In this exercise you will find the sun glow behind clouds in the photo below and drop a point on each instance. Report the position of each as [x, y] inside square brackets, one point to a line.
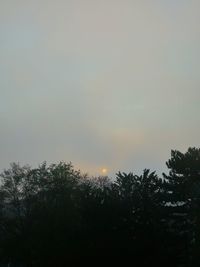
[55, 73]
[104, 171]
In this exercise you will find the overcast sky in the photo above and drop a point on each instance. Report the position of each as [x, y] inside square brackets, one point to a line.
[103, 83]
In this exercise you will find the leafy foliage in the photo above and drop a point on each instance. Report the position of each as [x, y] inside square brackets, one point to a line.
[55, 216]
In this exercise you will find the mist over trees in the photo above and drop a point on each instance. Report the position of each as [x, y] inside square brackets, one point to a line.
[56, 216]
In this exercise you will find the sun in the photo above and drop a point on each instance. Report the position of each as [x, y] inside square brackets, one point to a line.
[104, 171]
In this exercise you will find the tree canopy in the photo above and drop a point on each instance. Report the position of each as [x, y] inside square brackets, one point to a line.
[56, 216]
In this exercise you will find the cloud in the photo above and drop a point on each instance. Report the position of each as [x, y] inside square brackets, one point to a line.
[98, 82]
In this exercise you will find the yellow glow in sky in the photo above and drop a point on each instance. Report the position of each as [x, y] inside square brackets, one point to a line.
[104, 171]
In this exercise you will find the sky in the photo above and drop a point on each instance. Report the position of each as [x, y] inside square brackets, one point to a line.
[109, 85]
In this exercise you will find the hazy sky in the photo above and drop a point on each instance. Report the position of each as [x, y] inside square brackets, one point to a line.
[102, 83]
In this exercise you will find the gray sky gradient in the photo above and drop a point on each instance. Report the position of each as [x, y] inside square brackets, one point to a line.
[110, 83]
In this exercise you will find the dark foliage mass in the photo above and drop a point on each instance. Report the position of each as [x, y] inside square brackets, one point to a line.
[55, 216]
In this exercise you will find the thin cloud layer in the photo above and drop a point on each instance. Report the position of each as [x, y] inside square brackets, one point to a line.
[110, 84]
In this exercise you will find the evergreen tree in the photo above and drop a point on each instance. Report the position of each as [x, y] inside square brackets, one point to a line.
[182, 186]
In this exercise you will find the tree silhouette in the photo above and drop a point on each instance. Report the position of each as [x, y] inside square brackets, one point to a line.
[183, 187]
[55, 216]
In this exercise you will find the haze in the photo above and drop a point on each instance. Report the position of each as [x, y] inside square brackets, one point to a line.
[105, 84]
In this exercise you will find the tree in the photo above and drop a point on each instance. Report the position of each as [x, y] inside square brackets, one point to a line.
[53, 215]
[140, 207]
[183, 197]
[39, 213]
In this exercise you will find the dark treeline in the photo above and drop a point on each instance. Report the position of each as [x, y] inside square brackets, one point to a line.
[55, 216]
